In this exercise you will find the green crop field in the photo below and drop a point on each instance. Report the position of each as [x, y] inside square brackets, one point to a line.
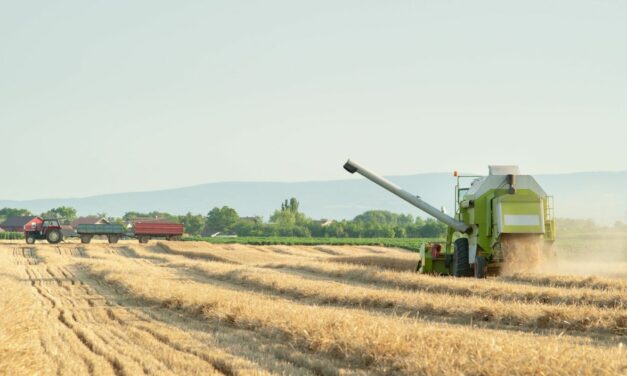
[9, 235]
[412, 244]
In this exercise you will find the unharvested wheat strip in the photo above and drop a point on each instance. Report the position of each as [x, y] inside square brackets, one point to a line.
[458, 308]
[491, 288]
[487, 289]
[383, 262]
[382, 343]
[598, 283]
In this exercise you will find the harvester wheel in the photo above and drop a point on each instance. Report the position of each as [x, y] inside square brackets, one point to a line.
[54, 236]
[30, 239]
[481, 267]
[418, 266]
[461, 268]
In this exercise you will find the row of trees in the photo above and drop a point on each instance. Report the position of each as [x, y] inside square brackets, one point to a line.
[288, 220]
[64, 213]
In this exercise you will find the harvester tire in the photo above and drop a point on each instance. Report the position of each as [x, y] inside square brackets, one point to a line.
[30, 239]
[481, 267]
[54, 236]
[461, 268]
[418, 266]
[448, 260]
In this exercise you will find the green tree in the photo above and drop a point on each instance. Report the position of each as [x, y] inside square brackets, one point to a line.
[193, 223]
[11, 212]
[64, 213]
[221, 219]
[289, 215]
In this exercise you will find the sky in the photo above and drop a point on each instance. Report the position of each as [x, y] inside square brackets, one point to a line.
[117, 96]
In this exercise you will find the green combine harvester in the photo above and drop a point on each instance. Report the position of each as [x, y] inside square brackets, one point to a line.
[501, 219]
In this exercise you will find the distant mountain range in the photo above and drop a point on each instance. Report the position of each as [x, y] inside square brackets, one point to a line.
[601, 196]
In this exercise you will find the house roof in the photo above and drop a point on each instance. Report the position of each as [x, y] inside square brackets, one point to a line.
[18, 221]
[91, 220]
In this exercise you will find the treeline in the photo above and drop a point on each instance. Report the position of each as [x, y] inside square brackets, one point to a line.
[569, 225]
[286, 221]
[289, 221]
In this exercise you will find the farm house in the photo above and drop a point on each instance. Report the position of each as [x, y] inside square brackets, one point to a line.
[20, 223]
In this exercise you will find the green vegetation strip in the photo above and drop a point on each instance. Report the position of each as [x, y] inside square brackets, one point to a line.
[9, 235]
[412, 244]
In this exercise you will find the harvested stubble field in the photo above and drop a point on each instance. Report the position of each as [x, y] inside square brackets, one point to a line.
[177, 308]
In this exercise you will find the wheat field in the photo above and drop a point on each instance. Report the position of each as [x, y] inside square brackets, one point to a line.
[192, 308]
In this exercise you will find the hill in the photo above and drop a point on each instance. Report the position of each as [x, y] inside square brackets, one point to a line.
[597, 195]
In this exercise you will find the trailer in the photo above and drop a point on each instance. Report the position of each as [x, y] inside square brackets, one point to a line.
[143, 231]
[113, 232]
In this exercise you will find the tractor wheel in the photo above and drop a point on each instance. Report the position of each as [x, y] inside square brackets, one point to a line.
[481, 267]
[30, 239]
[461, 268]
[113, 239]
[85, 239]
[54, 236]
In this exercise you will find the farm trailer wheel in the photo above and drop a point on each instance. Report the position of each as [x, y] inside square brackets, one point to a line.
[144, 239]
[54, 236]
[113, 239]
[86, 239]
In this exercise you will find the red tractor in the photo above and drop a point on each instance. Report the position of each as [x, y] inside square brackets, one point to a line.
[49, 229]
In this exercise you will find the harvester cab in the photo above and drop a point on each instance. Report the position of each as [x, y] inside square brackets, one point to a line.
[504, 218]
[49, 229]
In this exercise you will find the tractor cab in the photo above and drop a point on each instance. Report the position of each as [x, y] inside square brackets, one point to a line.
[50, 230]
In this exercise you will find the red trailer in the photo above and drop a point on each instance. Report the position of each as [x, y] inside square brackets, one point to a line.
[144, 231]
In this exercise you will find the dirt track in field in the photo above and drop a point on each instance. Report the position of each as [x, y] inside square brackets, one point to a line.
[174, 308]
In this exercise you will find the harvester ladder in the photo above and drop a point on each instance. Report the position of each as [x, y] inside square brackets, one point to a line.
[548, 215]
[549, 222]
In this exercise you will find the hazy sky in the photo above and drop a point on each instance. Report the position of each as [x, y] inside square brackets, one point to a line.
[114, 96]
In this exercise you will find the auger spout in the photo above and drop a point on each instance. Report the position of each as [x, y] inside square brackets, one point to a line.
[353, 167]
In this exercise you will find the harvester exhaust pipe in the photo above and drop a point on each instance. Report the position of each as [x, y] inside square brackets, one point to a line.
[353, 167]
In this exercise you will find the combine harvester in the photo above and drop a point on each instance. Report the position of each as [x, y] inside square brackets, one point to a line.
[501, 219]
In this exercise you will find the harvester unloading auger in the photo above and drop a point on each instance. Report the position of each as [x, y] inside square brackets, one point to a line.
[501, 219]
